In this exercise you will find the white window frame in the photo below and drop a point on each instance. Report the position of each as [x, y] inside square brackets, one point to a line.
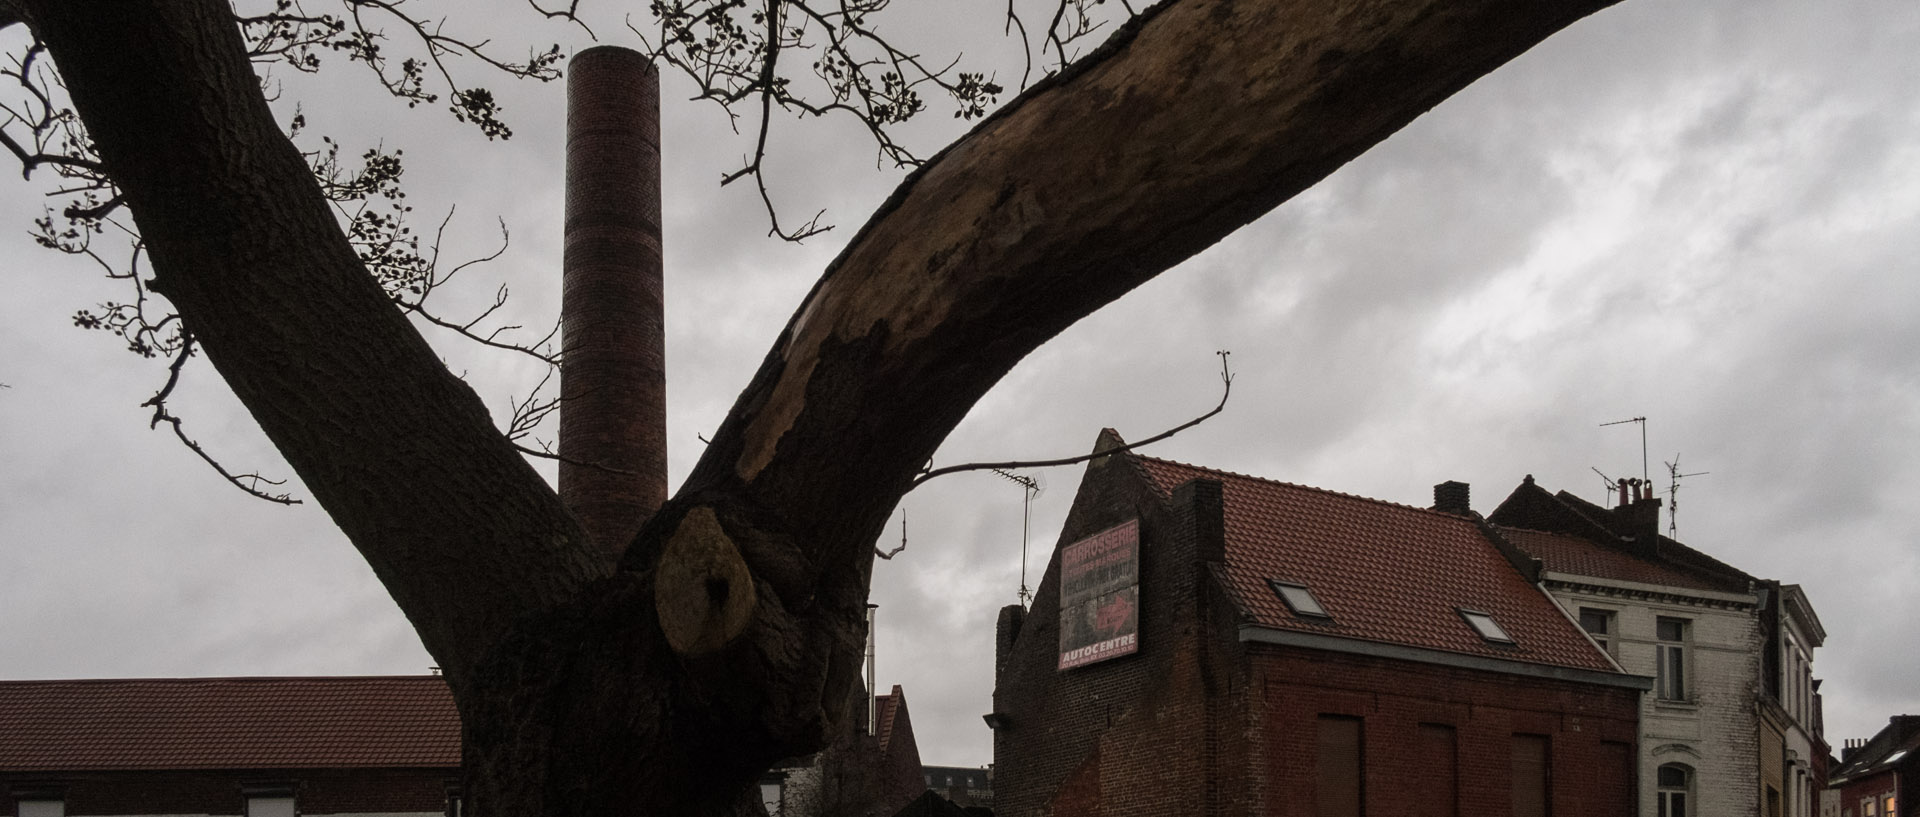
[1670, 660]
[265, 800]
[1669, 795]
[1609, 621]
[46, 805]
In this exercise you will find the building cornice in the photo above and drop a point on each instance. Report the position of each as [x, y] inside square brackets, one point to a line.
[1650, 592]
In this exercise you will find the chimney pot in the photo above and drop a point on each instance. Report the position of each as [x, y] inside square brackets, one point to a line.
[1453, 497]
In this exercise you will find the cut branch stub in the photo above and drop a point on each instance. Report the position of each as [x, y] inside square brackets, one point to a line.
[702, 590]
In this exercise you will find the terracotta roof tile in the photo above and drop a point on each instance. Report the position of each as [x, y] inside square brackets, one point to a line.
[1565, 553]
[887, 706]
[227, 723]
[1385, 572]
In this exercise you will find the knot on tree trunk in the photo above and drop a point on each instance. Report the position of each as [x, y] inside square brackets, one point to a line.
[703, 593]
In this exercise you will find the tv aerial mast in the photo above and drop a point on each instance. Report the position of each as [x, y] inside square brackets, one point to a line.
[1031, 487]
[1645, 475]
[1673, 495]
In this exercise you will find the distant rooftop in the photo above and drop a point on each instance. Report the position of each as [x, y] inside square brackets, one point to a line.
[228, 723]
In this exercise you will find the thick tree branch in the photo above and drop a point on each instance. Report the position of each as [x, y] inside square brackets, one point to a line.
[403, 456]
[1198, 117]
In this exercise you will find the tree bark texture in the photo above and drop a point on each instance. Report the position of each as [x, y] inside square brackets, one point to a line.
[731, 630]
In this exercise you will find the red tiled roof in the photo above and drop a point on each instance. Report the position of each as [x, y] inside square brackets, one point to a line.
[1564, 553]
[228, 723]
[1385, 572]
[887, 706]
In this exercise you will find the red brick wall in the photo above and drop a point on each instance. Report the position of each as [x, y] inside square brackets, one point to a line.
[1874, 786]
[1145, 734]
[1485, 709]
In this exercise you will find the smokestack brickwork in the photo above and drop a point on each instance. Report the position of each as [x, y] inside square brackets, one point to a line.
[613, 472]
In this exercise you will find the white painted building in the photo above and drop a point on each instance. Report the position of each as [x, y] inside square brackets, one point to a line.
[1731, 727]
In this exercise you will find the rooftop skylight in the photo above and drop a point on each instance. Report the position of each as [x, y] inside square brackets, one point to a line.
[1485, 626]
[1299, 599]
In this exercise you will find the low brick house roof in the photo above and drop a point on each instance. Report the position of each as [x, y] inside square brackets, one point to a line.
[228, 723]
[1572, 536]
[889, 709]
[1895, 746]
[1387, 573]
[1573, 555]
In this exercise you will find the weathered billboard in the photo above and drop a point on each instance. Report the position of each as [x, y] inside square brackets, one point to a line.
[1100, 596]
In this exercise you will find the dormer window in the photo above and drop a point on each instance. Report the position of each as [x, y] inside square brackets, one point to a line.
[1484, 624]
[1299, 599]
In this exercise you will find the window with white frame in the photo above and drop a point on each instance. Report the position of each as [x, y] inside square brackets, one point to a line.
[40, 805]
[1676, 789]
[1670, 658]
[1598, 624]
[270, 801]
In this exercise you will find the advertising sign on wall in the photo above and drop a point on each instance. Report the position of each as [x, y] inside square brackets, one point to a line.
[1100, 596]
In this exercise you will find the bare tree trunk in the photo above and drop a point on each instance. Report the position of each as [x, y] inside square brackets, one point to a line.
[732, 629]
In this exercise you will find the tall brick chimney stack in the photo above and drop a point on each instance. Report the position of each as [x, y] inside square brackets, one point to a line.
[613, 416]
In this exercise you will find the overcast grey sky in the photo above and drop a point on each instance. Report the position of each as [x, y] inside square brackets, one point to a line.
[1701, 212]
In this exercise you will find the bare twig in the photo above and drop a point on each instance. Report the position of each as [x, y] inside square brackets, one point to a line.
[734, 54]
[1226, 380]
[249, 483]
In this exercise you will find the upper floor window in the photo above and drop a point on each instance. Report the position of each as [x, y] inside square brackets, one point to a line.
[1676, 789]
[1599, 624]
[1670, 659]
[1339, 774]
[271, 805]
[32, 806]
[1532, 776]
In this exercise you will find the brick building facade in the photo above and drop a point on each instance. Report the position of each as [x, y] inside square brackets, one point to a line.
[1294, 651]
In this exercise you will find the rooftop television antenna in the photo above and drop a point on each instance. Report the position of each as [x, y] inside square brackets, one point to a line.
[1673, 495]
[1645, 479]
[1031, 487]
[1606, 485]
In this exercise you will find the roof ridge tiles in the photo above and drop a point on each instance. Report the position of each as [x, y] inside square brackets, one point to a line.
[1313, 488]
